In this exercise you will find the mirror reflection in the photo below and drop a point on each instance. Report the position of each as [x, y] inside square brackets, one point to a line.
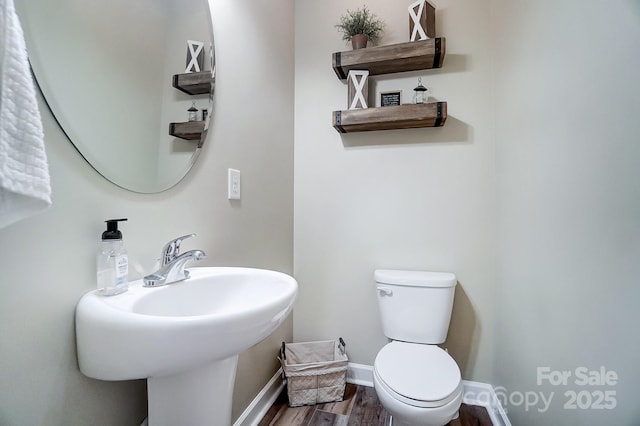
[106, 70]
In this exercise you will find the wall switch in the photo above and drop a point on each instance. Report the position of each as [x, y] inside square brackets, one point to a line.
[233, 192]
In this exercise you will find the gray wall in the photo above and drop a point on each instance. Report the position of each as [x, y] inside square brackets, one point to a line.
[568, 173]
[529, 194]
[404, 199]
[47, 261]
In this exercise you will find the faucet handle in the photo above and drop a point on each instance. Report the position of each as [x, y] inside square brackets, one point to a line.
[171, 250]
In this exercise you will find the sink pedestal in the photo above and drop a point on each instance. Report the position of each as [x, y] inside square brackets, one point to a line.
[197, 397]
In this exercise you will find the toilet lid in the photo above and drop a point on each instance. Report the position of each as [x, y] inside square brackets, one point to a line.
[418, 373]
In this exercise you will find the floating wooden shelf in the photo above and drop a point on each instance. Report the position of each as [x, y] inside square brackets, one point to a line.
[189, 130]
[411, 116]
[193, 83]
[411, 56]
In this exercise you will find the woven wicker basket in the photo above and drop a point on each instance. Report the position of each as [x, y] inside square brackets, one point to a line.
[316, 372]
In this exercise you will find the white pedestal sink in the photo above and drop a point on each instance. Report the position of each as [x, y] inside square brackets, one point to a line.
[184, 338]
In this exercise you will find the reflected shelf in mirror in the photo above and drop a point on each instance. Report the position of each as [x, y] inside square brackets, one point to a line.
[194, 83]
[109, 85]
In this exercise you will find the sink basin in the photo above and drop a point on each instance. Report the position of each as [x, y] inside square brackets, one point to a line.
[180, 333]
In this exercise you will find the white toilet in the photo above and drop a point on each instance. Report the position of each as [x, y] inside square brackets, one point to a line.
[417, 382]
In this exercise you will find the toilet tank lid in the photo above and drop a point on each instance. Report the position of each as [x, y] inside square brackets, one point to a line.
[415, 278]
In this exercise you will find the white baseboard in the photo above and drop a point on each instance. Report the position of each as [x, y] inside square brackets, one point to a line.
[360, 374]
[262, 402]
[483, 394]
[475, 393]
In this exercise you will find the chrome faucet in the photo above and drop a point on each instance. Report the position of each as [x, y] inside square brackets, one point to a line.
[171, 250]
[172, 264]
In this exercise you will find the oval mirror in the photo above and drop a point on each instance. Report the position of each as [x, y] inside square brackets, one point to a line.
[114, 76]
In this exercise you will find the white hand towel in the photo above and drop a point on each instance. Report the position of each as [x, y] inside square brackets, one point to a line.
[24, 174]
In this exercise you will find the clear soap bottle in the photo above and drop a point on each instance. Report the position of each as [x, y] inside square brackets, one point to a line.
[112, 261]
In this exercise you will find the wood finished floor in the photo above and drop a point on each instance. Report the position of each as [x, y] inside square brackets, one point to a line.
[359, 408]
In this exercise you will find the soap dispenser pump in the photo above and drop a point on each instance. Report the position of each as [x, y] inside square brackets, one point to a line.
[112, 261]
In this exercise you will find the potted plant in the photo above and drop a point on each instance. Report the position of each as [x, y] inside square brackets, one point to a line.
[360, 26]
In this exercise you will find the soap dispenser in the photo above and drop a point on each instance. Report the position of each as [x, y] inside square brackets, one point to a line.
[112, 261]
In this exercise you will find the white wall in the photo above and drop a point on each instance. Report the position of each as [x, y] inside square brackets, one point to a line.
[567, 100]
[47, 261]
[406, 199]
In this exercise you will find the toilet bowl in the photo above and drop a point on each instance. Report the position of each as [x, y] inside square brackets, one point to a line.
[416, 381]
[417, 384]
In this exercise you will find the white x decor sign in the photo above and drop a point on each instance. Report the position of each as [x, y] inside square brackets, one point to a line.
[359, 100]
[194, 56]
[415, 17]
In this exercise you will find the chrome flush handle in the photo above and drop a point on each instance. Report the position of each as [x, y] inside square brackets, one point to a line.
[385, 290]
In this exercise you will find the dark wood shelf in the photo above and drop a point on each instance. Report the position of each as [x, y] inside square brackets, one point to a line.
[393, 58]
[189, 130]
[193, 83]
[410, 116]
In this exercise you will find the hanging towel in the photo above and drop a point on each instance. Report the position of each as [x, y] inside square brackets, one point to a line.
[24, 174]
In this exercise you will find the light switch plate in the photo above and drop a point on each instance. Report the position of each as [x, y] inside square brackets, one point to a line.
[233, 191]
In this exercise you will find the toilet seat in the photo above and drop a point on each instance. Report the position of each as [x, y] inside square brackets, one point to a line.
[417, 374]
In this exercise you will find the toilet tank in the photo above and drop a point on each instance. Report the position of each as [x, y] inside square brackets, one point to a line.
[415, 306]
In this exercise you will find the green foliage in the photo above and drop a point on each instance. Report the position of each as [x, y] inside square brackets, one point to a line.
[360, 21]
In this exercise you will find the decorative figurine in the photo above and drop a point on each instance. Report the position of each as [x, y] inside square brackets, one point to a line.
[422, 20]
[195, 56]
[358, 89]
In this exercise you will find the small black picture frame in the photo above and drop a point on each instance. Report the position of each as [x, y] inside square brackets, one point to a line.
[391, 98]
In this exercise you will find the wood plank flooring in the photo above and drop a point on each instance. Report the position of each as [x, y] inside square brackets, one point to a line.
[360, 407]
